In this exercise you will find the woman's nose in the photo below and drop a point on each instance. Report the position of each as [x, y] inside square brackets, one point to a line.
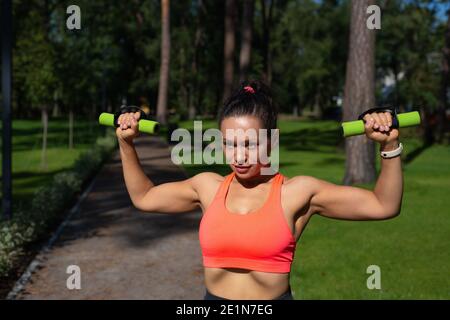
[240, 156]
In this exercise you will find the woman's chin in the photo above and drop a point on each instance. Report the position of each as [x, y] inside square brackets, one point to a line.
[247, 173]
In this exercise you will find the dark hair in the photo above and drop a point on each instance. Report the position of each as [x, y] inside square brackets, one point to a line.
[251, 98]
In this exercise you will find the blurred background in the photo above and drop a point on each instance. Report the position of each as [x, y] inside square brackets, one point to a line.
[178, 61]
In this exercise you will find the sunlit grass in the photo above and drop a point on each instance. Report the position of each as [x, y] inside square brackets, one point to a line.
[28, 173]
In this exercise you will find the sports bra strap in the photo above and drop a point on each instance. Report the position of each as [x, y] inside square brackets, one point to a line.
[274, 190]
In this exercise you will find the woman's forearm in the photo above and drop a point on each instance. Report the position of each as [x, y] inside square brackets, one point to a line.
[136, 181]
[389, 186]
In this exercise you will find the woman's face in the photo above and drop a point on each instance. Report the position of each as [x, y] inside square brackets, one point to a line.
[243, 145]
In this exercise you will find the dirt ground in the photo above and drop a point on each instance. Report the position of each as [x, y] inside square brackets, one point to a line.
[124, 253]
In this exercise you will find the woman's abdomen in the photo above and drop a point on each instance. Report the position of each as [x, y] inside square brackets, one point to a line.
[245, 284]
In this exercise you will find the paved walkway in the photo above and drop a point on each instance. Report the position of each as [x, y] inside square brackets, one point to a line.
[124, 253]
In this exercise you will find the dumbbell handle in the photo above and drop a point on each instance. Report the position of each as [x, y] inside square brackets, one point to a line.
[144, 125]
[407, 119]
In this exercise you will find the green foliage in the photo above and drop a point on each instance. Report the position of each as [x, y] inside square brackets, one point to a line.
[116, 53]
[13, 236]
[310, 45]
[34, 56]
[48, 202]
[409, 47]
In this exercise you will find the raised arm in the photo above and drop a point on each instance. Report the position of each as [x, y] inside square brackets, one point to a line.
[169, 197]
[353, 203]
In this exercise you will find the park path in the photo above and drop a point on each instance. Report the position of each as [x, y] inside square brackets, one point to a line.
[124, 253]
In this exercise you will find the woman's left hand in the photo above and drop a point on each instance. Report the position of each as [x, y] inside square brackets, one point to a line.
[378, 127]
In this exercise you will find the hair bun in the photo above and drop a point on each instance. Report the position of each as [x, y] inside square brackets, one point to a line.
[252, 97]
[258, 87]
[249, 89]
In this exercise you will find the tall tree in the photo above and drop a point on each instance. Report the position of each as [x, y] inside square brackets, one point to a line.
[267, 14]
[442, 124]
[229, 47]
[35, 61]
[165, 60]
[359, 94]
[246, 38]
[198, 43]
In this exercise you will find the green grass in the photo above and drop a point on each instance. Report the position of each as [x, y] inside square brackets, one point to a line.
[332, 256]
[26, 157]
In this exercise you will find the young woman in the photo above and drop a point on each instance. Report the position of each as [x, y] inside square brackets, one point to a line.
[252, 221]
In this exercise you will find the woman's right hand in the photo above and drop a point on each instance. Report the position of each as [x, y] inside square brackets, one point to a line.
[128, 126]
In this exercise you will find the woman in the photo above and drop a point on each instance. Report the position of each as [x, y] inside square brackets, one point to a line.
[252, 221]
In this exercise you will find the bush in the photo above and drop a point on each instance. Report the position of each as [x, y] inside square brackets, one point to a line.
[49, 202]
[13, 236]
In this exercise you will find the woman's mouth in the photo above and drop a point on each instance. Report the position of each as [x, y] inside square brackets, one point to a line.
[241, 169]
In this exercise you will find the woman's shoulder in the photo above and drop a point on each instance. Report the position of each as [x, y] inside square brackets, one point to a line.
[206, 185]
[298, 179]
[207, 180]
[297, 192]
[299, 183]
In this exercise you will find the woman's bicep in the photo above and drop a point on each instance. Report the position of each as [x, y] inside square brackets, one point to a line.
[170, 197]
[345, 202]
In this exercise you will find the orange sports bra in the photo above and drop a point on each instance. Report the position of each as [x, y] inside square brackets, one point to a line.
[260, 240]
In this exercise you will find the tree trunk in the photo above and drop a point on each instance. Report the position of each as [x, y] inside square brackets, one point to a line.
[196, 94]
[295, 111]
[55, 110]
[194, 69]
[359, 95]
[192, 110]
[428, 125]
[71, 129]
[44, 117]
[91, 118]
[267, 25]
[55, 113]
[185, 92]
[165, 59]
[246, 41]
[229, 45]
[318, 112]
[442, 125]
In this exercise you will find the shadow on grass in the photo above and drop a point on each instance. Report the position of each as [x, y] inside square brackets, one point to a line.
[416, 152]
[22, 196]
[311, 139]
[28, 138]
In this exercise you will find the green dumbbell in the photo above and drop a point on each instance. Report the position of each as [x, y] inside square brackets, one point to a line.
[401, 120]
[144, 125]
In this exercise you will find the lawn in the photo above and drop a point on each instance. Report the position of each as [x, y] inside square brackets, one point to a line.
[332, 256]
[26, 157]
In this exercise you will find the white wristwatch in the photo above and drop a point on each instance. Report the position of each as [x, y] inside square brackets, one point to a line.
[392, 153]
